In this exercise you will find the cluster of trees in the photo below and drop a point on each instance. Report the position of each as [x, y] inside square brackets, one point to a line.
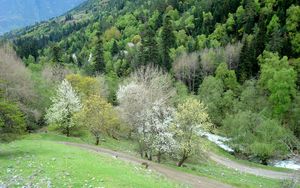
[16, 96]
[80, 102]
[24, 93]
[146, 112]
[259, 115]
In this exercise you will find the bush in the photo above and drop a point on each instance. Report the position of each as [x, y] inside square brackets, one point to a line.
[12, 122]
[257, 136]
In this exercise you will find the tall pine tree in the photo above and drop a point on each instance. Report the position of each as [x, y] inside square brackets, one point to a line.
[99, 64]
[115, 49]
[168, 41]
[148, 53]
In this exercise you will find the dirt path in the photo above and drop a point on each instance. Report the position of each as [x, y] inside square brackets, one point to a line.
[253, 170]
[189, 179]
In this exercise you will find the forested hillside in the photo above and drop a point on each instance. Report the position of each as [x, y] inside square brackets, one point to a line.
[162, 71]
[15, 14]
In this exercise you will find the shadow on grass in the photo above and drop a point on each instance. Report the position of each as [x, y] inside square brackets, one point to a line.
[8, 154]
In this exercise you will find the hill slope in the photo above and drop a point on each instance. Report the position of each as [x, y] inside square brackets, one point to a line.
[16, 14]
[239, 57]
[48, 164]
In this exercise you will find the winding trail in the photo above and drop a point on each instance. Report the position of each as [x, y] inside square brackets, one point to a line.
[181, 177]
[193, 180]
[253, 170]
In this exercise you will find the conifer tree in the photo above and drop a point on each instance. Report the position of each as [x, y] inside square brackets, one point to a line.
[99, 64]
[115, 49]
[168, 41]
[149, 49]
[56, 54]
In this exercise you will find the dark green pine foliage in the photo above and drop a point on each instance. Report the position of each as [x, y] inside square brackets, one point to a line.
[56, 54]
[115, 49]
[274, 34]
[99, 64]
[247, 65]
[251, 15]
[168, 41]
[175, 4]
[148, 53]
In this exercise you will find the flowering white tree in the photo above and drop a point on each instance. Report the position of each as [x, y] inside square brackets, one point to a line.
[143, 104]
[65, 103]
[145, 86]
[155, 132]
[133, 100]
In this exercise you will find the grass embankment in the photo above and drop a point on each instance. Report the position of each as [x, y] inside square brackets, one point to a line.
[37, 162]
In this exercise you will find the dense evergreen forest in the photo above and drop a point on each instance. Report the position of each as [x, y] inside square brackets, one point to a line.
[231, 66]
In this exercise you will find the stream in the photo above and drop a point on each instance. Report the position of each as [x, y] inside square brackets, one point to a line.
[292, 163]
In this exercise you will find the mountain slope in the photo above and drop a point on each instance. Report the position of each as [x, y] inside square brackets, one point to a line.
[16, 13]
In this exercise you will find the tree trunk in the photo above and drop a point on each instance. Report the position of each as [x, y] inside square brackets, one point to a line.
[68, 131]
[264, 161]
[148, 155]
[182, 160]
[130, 134]
[158, 157]
[97, 140]
[114, 137]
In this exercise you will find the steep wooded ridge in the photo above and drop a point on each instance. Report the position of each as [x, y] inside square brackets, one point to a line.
[16, 14]
[170, 69]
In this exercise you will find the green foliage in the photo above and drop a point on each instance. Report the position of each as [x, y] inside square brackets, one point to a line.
[98, 117]
[257, 135]
[211, 93]
[293, 24]
[295, 63]
[112, 33]
[191, 119]
[279, 79]
[159, 32]
[29, 60]
[248, 66]
[56, 53]
[12, 121]
[269, 141]
[112, 83]
[228, 77]
[85, 86]
[99, 64]
[148, 50]
[274, 33]
[168, 41]
[252, 99]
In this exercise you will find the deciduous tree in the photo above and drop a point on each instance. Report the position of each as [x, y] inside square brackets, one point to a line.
[187, 69]
[278, 78]
[64, 105]
[191, 118]
[99, 117]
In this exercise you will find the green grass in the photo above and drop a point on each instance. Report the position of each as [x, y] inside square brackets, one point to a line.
[220, 173]
[36, 161]
[38, 145]
[127, 146]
